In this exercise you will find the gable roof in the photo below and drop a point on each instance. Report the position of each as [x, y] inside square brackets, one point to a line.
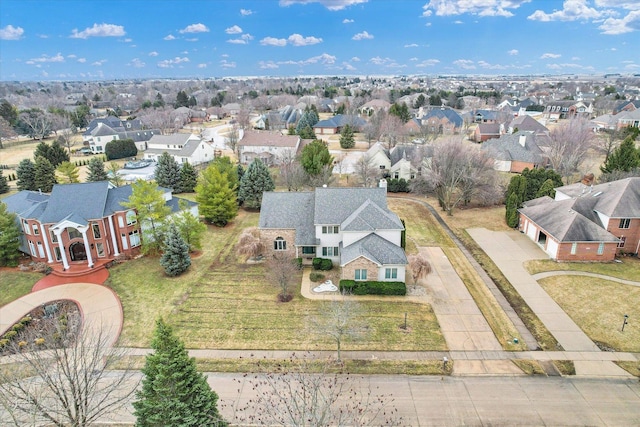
[265, 138]
[334, 205]
[444, 113]
[616, 199]
[371, 217]
[509, 148]
[341, 120]
[290, 210]
[527, 123]
[489, 128]
[374, 248]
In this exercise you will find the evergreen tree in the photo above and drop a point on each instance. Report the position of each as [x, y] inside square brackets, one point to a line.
[217, 200]
[4, 185]
[188, 178]
[226, 167]
[159, 102]
[54, 153]
[45, 175]
[26, 174]
[9, 238]
[548, 188]
[167, 172]
[624, 158]
[175, 258]
[173, 392]
[315, 157]
[190, 228]
[307, 133]
[254, 182]
[511, 215]
[182, 99]
[534, 180]
[67, 173]
[302, 122]
[96, 171]
[151, 209]
[346, 137]
[400, 111]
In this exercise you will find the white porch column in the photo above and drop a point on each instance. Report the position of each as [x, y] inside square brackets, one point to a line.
[87, 249]
[63, 253]
[114, 238]
[45, 237]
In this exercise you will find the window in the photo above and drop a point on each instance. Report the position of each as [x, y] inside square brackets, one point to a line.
[40, 250]
[361, 274]
[624, 223]
[131, 218]
[622, 241]
[574, 248]
[100, 250]
[280, 244]
[600, 248]
[390, 273]
[56, 252]
[36, 230]
[73, 233]
[330, 251]
[134, 238]
[32, 248]
[308, 250]
[26, 227]
[54, 237]
[96, 230]
[125, 244]
[330, 229]
[120, 222]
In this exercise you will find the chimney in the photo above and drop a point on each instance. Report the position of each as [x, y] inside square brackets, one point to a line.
[522, 139]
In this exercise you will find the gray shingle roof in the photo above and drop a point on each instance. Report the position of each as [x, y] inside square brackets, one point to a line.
[371, 217]
[616, 199]
[90, 199]
[447, 113]
[508, 147]
[290, 210]
[374, 248]
[340, 120]
[334, 205]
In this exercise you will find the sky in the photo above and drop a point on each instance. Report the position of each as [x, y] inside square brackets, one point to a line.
[97, 40]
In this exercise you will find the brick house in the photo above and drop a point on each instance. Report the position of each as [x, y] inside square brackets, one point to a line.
[351, 226]
[79, 224]
[485, 131]
[586, 223]
[515, 152]
[443, 121]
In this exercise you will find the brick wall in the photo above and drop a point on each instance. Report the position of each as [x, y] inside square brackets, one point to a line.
[518, 167]
[632, 234]
[268, 236]
[348, 271]
[587, 251]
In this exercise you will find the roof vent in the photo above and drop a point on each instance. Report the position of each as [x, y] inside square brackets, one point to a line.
[597, 194]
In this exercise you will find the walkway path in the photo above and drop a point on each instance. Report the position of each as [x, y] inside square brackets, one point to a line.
[509, 250]
[545, 274]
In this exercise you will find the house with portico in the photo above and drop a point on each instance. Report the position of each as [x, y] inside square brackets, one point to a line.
[82, 225]
[351, 226]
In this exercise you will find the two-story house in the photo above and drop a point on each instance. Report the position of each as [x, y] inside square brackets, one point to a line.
[268, 146]
[586, 223]
[184, 147]
[351, 226]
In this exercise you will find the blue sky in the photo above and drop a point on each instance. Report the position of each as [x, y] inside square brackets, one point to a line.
[95, 39]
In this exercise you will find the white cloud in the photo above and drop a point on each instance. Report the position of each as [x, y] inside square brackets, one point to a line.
[385, 62]
[411, 45]
[565, 66]
[153, 53]
[458, 22]
[513, 52]
[272, 41]
[11, 33]
[46, 58]
[325, 59]
[99, 63]
[268, 65]
[233, 30]
[195, 28]
[348, 67]
[413, 59]
[550, 55]
[244, 39]
[488, 66]
[347, 21]
[332, 5]
[465, 64]
[82, 60]
[169, 63]
[575, 58]
[226, 64]
[362, 36]
[193, 39]
[428, 63]
[572, 10]
[355, 59]
[99, 30]
[246, 12]
[170, 37]
[202, 65]
[72, 56]
[43, 36]
[127, 40]
[428, 24]
[299, 40]
[629, 23]
[473, 7]
[137, 63]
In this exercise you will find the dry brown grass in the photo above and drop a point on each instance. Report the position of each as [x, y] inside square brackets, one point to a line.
[627, 268]
[529, 367]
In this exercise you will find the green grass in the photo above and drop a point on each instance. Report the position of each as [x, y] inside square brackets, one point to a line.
[598, 306]
[628, 269]
[14, 284]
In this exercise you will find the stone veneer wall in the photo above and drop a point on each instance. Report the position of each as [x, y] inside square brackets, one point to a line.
[268, 236]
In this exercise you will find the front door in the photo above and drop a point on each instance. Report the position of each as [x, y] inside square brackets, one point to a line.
[77, 252]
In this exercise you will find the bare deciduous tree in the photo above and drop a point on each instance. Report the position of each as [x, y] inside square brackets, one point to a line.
[244, 116]
[291, 396]
[233, 137]
[249, 243]
[6, 131]
[366, 171]
[569, 144]
[420, 266]
[282, 271]
[70, 378]
[39, 123]
[160, 118]
[340, 320]
[391, 130]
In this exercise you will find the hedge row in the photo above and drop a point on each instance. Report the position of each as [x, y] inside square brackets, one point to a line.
[323, 264]
[372, 287]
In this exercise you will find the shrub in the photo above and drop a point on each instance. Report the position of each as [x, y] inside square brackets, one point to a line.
[298, 262]
[120, 149]
[373, 287]
[39, 341]
[9, 334]
[26, 320]
[323, 264]
[4, 342]
[314, 276]
[22, 344]
[395, 185]
[18, 327]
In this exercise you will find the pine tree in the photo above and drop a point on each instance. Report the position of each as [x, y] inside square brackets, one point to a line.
[67, 173]
[26, 174]
[547, 189]
[302, 122]
[167, 172]
[511, 215]
[188, 178]
[151, 210]
[54, 153]
[173, 392]
[256, 180]
[9, 238]
[96, 171]
[4, 186]
[175, 259]
[346, 137]
[45, 175]
[190, 227]
[624, 158]
[218, 202]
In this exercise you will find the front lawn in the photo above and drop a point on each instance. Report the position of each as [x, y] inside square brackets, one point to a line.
[15, 283]
[598, 307]
[628, 268]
